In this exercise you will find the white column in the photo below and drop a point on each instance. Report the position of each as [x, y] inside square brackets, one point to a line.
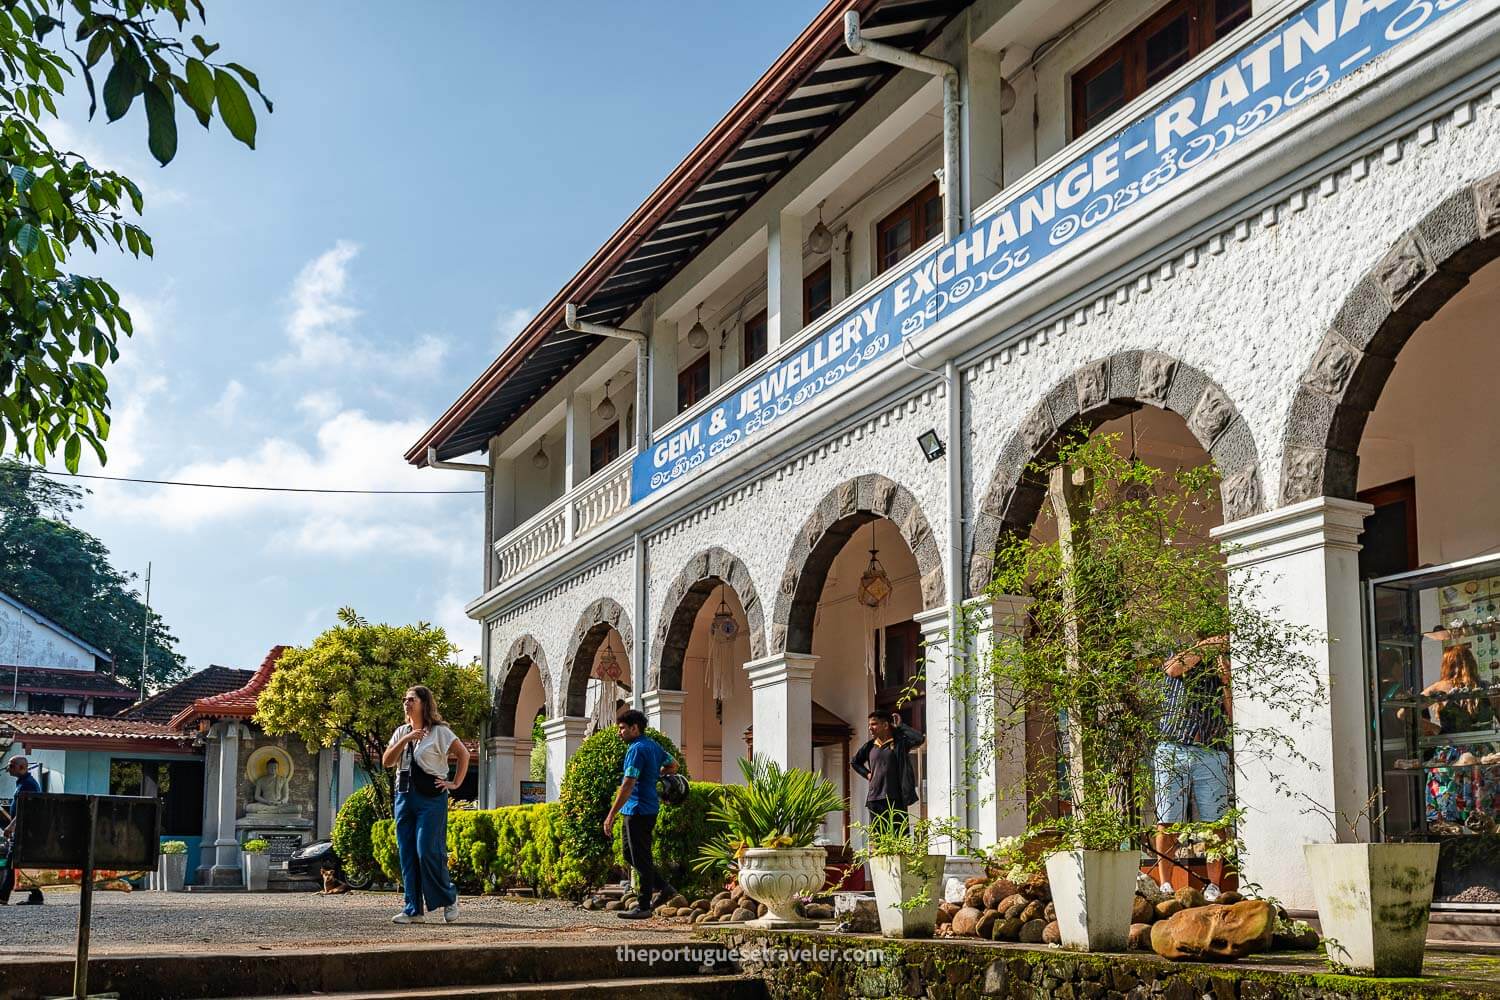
[839, 270]
[663, 383]
[325, 793]
[563, 738]
[1000, 792]
[664, 711]
[981, 123]
[226, 869]
[345, 777]
[576, 423]
[783, 278]
[503, 496]
[1301, 564]
[500, 787]
[206, 850]
[781, 707]
[945, 743]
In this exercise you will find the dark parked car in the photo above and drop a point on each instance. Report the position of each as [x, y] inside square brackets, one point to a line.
[310, 861]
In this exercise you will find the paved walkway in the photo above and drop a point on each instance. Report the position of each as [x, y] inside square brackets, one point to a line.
[143, 922]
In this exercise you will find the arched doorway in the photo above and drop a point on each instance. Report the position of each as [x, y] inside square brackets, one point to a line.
[520, 701]
[596, 675]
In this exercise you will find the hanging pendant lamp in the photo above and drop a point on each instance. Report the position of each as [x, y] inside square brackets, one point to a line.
[820, 240]
[697, 337]
[607, 409]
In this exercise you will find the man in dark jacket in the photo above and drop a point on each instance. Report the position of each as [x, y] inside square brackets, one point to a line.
[885, 762]
[18, 767]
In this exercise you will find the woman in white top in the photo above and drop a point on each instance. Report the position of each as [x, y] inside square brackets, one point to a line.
[419, 751]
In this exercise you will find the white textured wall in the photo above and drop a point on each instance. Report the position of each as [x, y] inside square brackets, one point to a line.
[26, 642]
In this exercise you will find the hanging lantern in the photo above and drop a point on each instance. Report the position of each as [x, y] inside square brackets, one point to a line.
[608, 668]
[820, 240]
[697, 337]
[607, 408]
[875, 585]
[723, 627]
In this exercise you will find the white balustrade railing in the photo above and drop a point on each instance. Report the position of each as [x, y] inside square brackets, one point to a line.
[602, 496]
[541, 535]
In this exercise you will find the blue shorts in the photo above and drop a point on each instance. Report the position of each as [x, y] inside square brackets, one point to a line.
[1181, 769]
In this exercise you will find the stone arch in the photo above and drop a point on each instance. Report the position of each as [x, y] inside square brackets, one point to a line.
[832, 523]
[523, 654]
[693, 586]
[593, 625]
[1423, 269]
[1097, 392]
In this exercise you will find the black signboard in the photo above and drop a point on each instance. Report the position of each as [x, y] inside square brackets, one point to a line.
[283, 846]
[53, 832]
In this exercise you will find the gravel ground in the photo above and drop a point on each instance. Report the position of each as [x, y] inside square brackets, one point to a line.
[172, 922]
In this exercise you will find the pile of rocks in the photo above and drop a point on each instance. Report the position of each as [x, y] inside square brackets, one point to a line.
[1002, 910]
[730, 906]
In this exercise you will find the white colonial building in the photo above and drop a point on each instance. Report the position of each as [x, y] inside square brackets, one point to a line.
[1257, 233]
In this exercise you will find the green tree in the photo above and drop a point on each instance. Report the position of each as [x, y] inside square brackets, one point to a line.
[346, 688]
[65, 573]
[58, 329]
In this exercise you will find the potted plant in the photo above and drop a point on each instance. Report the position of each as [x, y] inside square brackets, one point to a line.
[255, 861]
[1122, 580]
[171, 867]
[770, 822]
[908, 877]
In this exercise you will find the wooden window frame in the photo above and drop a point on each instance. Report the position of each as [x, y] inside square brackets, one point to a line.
[689, 372]
[1203, 31]
[910, 210]
[607, 440]
[1400, 491]
[763, 318]
[823, 272]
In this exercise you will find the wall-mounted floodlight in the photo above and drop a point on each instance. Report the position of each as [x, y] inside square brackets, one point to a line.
[931, 445]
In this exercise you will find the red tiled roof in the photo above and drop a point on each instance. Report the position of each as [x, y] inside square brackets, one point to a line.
[62, 681]
[211, 680]
[41, 729]
[237, 704]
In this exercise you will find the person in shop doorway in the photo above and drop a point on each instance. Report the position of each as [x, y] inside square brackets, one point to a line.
[637, 801]
[1192, 759]
[18, 767]
[885, 763]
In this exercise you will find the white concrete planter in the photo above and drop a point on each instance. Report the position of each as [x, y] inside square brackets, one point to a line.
[1092, 892]
[898, 880]
[1373, 903]
[171, 871]
[257, 868]
[777, 877]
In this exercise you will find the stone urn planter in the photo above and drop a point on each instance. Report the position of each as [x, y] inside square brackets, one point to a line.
[1373, 904]
[257, 869]
[171, 872]
[1092, 892]
[899, 880]
[777, 877]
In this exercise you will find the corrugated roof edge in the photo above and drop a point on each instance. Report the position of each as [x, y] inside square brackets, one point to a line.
[759, 102]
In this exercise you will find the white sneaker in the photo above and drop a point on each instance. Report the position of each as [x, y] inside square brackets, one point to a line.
[406, 918]
[1166, 887]
[1210, 892]
[450, 913]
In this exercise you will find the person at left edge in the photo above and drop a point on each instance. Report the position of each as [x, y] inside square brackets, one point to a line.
[637, 801]
[18, 768]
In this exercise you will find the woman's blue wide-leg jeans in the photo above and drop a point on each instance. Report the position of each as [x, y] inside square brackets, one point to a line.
[422, 838]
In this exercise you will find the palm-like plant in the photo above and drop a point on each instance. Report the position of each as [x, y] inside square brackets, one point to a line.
[774, 808]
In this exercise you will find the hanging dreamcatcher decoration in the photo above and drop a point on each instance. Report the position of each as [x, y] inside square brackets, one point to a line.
[874, 593]
[722, 630]
[610, 676]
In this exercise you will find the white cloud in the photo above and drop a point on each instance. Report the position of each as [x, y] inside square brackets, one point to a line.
[509, 323]
[228, 405]
[320, 404]
[321, 331]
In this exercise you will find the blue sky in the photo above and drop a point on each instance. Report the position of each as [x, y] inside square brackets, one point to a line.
[432, 173]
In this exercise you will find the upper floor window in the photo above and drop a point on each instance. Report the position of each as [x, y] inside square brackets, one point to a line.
[755, 343]
[1146, 56]
[604, 448]
[692, 383]
[817, 292]
[908, 227]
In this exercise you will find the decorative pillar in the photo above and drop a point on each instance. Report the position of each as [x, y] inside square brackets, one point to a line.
[663, 362]
[946, 796]
[563, 739]
[345, 778]
[781, 707]
[210, 834]
[1301, 564]
[325, 792]
[500, 787]
[1000, 779]
[783, 279]
[664, 711]
[226, 866]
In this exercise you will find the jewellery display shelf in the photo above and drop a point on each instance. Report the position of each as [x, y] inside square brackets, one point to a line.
[1424, 792]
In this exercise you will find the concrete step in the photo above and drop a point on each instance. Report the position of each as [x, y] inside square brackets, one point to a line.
[662, 988]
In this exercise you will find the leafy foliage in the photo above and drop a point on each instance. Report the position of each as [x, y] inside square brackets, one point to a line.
[352, 832]
[174, 847]
[346, 688]
[589, 785]
[256, 845]
[773, 808]
[58, 329]
[1129, 581]
[537, 769]
[65, 573]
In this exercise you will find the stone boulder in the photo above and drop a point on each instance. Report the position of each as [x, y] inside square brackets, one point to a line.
[1140, 937]
[1052, 933]
[743, 914]
[1036, 887]
[1167, 908]
[1190, 897]
[997, 891]
[1215, 931]
[986, 925]
[974, 897]
[1032, 931]
[1294, 936]
[1229, 898]
[1006, 929]
[1141, 910]
[818, 911]
[945, 913]
[1034, 911]
[1146, 886]
[1012, 905]
[965, 922]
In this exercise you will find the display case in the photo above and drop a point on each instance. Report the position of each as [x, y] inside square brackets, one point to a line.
[1434, 652]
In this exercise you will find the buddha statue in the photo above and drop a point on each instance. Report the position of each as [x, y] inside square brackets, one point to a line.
[272, 792]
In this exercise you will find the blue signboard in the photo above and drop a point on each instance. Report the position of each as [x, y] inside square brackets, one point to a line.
[1307, 52]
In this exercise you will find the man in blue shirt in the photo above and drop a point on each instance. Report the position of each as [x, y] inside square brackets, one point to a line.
[19, 768]
[637, 801]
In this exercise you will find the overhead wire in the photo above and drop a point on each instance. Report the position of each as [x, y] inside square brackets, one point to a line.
[257, 489]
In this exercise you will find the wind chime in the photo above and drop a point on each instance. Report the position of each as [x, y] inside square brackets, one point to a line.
[874, 593]
[723, 630]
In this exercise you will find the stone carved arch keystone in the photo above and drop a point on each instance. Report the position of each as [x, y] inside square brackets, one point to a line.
[685, 597]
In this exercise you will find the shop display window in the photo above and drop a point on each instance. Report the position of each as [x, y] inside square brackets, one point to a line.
[1435, 651]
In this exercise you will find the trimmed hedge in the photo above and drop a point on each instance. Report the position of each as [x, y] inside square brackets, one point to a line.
[589, 786]
[496, 850]
[352, 830]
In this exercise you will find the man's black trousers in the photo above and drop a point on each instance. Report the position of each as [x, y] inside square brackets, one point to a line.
[638, 833]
